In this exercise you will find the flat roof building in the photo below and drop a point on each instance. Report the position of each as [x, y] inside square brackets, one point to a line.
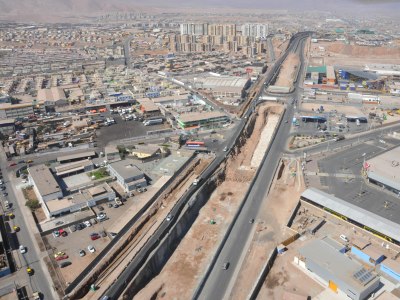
[85, 198]
[202, 119]
[74, 168]
[44, 183]
[340, 273]
[358, 216]
[7, 126]
[384, 170]
[76, 157]
[148, 107]
[128, 175]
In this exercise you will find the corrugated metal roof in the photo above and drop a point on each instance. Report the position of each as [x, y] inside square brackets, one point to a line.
[338, 265]
[384, 180]
[353, 212]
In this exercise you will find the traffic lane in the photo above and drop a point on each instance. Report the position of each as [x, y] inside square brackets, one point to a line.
[218, 280]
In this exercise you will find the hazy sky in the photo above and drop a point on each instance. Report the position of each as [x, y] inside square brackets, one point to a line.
[79, 7]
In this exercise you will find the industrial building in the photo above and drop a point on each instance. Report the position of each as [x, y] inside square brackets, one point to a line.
[340, 273]
[204, 119]
[384, 170]
[44, 183]
[379, 226]
[223, 86]
[75, 202]
[148, 108]
[76, 157]
[7, 126]
[128, 175]
[74, 168]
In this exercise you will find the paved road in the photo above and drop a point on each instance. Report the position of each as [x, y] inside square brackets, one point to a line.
[218, 281]
[40, 280]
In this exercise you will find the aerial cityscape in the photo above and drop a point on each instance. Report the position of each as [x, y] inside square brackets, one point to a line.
[200, 150]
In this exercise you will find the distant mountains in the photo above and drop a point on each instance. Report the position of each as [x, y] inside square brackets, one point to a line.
[50, 10]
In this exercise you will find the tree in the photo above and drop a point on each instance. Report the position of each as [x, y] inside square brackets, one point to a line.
[32, 204]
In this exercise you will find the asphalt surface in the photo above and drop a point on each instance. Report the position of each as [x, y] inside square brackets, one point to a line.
[353, 189]
[217, 282]
[32, 258]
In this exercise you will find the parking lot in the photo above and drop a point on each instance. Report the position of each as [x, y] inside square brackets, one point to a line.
[80, 239]
[123, 129]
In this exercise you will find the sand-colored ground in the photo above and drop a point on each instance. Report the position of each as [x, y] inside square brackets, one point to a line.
[351, 110]
[188, 263]
[338, 53]
[288, 70]
[270, 230]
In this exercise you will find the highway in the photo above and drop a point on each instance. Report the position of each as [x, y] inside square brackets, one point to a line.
[40, 281]
[217, 280]
[120, 284]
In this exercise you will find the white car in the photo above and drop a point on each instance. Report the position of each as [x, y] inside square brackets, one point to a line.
[91, 249]
[22, 249]
[87, 223]
[344, 238]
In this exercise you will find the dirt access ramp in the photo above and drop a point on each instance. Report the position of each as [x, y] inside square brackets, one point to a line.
[288, 71]
[181, 274]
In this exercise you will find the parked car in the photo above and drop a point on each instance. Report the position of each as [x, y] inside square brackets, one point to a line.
[30, 271]
[72, 228]
[344, 238]
[103, 233]
[60, 253]
[22, 249]
[21, 162]
[91, 249]
[5, 194]
[61, 257]
[225, 266]
[93, 221]
[65, 264]
[101, 216]
[101, 208]
[87, 223]
[82, 253]
[94, 237]
[80, 226]
[12, 164]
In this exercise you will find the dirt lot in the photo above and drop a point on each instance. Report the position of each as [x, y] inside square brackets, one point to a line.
[270, 230]
[348, 110]
[338, 53]
[184, 269]
[288, 70]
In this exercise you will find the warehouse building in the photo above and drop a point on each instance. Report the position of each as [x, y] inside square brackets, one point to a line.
[75, 202]
[384, 170]
[44, 183]
[74, 168]
[127, 174]
[204, 119]
[340, 273]
[76, 157]
[223, 86]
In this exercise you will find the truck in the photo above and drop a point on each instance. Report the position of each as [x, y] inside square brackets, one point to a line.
[153, 122]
